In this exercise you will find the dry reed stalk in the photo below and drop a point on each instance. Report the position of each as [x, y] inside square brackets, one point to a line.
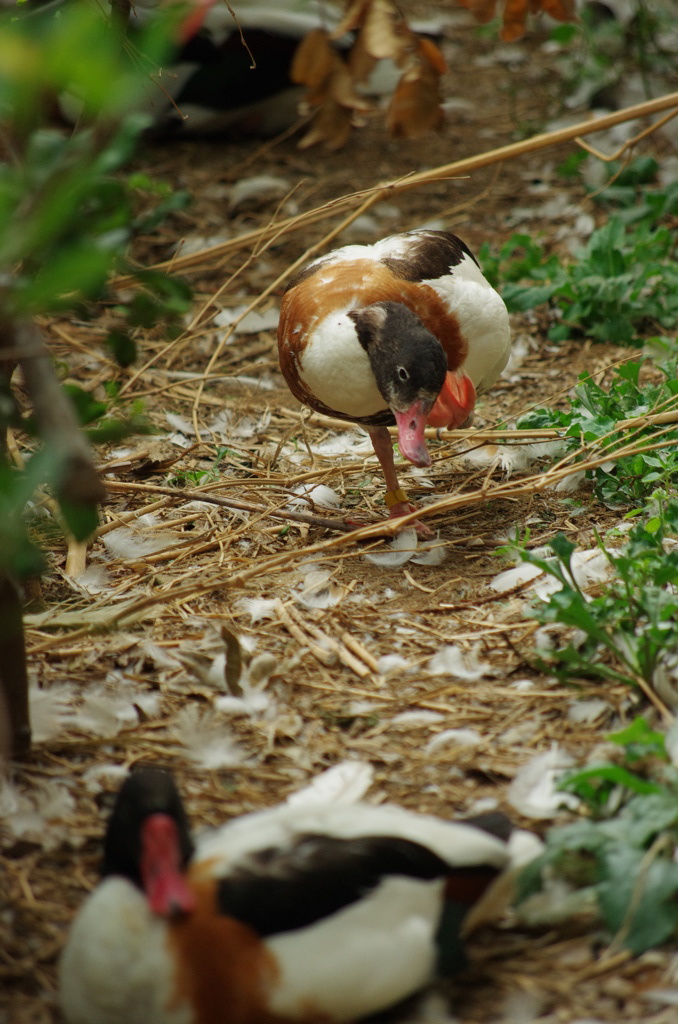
[457, 168]
[219, 581]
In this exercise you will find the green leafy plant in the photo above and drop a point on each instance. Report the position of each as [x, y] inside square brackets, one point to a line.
[622, 283]
[628, 632]
[624, 855]
[591, 423]
[601, 49]
[67, 217]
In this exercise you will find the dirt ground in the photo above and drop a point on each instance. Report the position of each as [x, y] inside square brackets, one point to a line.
[338, 653]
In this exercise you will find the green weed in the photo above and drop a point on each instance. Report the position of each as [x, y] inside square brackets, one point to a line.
[623, 855]
[623, 283]
[594, 415]
[628, 633]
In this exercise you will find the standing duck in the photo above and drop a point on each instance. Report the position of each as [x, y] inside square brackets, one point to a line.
[406, 332]
[313, 914]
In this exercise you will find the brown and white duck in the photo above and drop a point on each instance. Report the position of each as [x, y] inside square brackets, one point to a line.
[406, 331]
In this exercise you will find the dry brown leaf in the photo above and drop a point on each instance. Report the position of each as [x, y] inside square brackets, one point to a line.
[331, 126]
[340, 88]
[360, 62]
[353, 17]
[314, 60]
[385, 32]
[414, 109]
[429, 52]
[382, 33]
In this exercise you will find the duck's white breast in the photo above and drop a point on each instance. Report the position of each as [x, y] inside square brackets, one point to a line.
[335, 368]
[116, 968]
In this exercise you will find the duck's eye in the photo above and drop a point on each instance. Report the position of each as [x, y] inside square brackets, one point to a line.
[402, 373]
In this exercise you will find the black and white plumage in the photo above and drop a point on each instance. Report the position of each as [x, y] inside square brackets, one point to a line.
[322, 913]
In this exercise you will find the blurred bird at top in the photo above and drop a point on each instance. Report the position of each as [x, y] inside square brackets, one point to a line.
[242, 68]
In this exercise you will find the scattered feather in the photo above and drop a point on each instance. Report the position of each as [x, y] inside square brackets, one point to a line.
[211, 669]
[521, 733]
[571, 483]
[588, 567]
[450, 737]
[261, 668]
[523, 685]
[308, 495]
[346, 443]
[511, 458]
[126, 543]
[417, 718]
[392, 663]
[206, 740]
[250, 426]
[671, 742]
[665, 679]
[259, 608]
[400, 550]
[430, 552]
[103, 714]
[95, 579]
[160, 656]
[663, 996]
[521, 1007]
[534, 792]
[344, 783]
[318, 590]
[196, 243]
[39, 816]
[51, 710]
[257, 187]
[183, 426]
[101, 775]
[515, 577]
[249, 323]
[253, 700]
[451, 660]
[587, 711]
[483, 805]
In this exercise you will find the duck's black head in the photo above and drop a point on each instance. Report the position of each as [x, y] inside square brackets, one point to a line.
[408, 362]
[144, 793]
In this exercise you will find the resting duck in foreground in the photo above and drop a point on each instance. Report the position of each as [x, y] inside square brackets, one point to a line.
[406, 331]
[315, 914]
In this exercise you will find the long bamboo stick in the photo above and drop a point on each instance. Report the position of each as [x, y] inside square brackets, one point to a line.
[456, 169]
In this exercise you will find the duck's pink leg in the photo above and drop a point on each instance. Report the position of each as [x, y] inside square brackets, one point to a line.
[396, 499]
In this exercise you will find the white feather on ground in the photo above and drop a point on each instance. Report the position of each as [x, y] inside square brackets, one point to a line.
[206, 739]
[344, 783]
[406, 547]
[452, 661]
[533, 792]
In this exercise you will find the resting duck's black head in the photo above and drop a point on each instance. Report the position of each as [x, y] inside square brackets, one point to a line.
[148, 840]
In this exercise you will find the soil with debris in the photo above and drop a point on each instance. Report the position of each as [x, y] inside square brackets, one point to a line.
[247, 650]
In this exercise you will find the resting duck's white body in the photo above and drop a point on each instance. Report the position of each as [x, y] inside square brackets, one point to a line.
[407, 330]
[299, 914]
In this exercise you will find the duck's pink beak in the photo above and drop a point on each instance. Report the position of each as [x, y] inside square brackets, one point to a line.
[455, 403]
[164, 883]
[411, 425]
